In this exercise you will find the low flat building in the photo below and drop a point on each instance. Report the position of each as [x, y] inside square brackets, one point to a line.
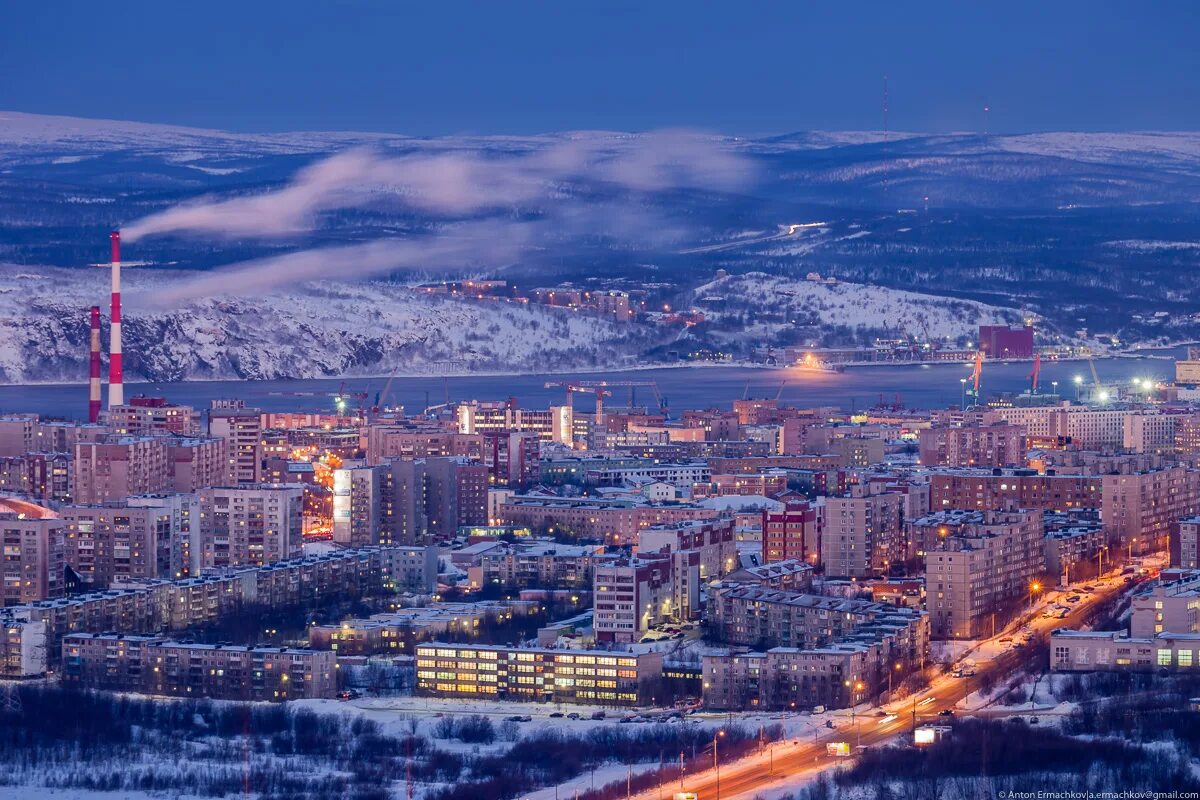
[537, 674]
[1112, 651]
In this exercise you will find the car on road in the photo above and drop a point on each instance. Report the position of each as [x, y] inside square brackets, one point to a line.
[349, 694]
[946, 712]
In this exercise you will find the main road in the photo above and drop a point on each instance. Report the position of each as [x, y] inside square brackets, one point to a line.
[786, 762]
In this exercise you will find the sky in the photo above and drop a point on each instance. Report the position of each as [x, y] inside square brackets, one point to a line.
[742, 68]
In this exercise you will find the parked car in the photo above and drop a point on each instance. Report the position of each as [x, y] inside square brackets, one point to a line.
[556, 715]
[573, 715]
[598, 715]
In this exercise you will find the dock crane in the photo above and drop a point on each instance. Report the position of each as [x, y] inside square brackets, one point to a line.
[588, 387]
[608, 385]
[1099, 392]
[381, 395]
[976, 377]
[1037, 371]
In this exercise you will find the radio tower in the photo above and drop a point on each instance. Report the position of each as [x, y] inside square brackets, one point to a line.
[116, 381]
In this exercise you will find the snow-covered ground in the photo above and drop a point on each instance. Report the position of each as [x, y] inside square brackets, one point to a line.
[850, 304]
[311, 330]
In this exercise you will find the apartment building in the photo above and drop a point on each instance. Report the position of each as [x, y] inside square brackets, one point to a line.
[681, 476]
[714, 541]
[143, 537]
[1185, 543]
[116, 467]
[196, 462]
[995, 445]
[152, 605]
[33, 544]
[148, 416]
[157, 666]
[793, 532]
[408, 501]
[388, 442]
[536, 563]
[1071, 549]
[1170, 605]
[536, 674]
[762, 617]
[792, 575]
[1012, 488]
[1139, 508]
[1149, 432]
[250, 525]
[613, 521]
[242, 430]
[631, 595]
[978, 572]
[862, 533]
[555, 424]
[22, 648]
[45, 477]
[400, 631]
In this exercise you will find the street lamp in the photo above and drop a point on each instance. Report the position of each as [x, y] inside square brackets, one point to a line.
[716, 761]
[1131, 541]
[1100, 555]
[963, 381]
[1054, 388]
[895, 668]
[1034, 588]
[1078, 386]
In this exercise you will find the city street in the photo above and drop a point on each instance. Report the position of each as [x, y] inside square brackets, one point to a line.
[787, 762]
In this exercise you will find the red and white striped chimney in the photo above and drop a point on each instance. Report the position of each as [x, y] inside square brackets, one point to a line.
[94, 369]
[116, 381]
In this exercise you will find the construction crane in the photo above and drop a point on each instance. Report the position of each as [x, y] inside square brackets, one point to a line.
[1037, 371]
[976, 377]
[1099, 392]
[381, 395]
[595, 388]
[632, 385]
[779, 394]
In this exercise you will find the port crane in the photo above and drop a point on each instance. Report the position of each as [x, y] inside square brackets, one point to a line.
[1037, 371]
[591, 387]
[608, 385]
[976, 377]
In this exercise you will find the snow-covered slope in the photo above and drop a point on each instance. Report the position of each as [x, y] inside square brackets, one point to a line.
[317, 330]
[853, 305]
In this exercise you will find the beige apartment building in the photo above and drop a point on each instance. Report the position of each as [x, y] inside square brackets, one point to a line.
[976, 575]
[862, 534]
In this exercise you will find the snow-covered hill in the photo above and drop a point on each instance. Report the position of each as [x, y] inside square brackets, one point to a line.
[317, 330]
[853, 305]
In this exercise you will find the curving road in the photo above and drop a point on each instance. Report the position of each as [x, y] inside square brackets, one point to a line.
[786, 761]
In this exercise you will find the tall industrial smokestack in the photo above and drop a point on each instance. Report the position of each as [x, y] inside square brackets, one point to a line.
[116, 381]
[94, 369]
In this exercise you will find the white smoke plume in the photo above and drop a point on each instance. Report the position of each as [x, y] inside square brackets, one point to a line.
[454, 186]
